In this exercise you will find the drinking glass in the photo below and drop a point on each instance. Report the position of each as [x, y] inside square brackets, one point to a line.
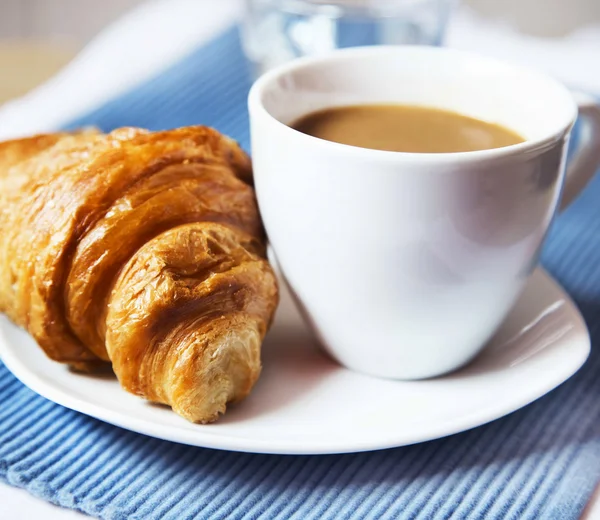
[275, 31]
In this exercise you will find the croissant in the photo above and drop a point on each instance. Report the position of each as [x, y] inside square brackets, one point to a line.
[141, 251]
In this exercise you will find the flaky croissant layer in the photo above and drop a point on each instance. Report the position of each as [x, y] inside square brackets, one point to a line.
[140, 249]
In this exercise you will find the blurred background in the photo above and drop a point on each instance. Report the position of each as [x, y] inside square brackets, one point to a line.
[37, 37]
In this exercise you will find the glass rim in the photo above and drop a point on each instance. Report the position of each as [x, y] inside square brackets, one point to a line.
[345, 8]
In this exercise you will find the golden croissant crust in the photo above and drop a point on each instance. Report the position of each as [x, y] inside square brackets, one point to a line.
[140, 249]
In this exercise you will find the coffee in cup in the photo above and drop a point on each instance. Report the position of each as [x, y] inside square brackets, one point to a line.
[405, 128]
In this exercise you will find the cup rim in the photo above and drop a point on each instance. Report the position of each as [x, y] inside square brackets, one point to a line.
[530, 146]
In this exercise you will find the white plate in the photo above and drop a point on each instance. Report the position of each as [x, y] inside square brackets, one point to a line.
[305, 403]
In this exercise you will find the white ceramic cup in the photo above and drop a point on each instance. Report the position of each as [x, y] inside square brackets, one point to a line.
[406, 264]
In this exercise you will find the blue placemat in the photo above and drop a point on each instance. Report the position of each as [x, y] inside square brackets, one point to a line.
[540, 462]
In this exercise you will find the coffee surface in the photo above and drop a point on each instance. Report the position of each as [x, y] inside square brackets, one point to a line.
[405, 128]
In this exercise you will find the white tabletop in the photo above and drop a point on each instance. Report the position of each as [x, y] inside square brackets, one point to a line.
[18, 504]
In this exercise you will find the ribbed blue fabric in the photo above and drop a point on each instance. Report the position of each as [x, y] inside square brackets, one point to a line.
[540, 462]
